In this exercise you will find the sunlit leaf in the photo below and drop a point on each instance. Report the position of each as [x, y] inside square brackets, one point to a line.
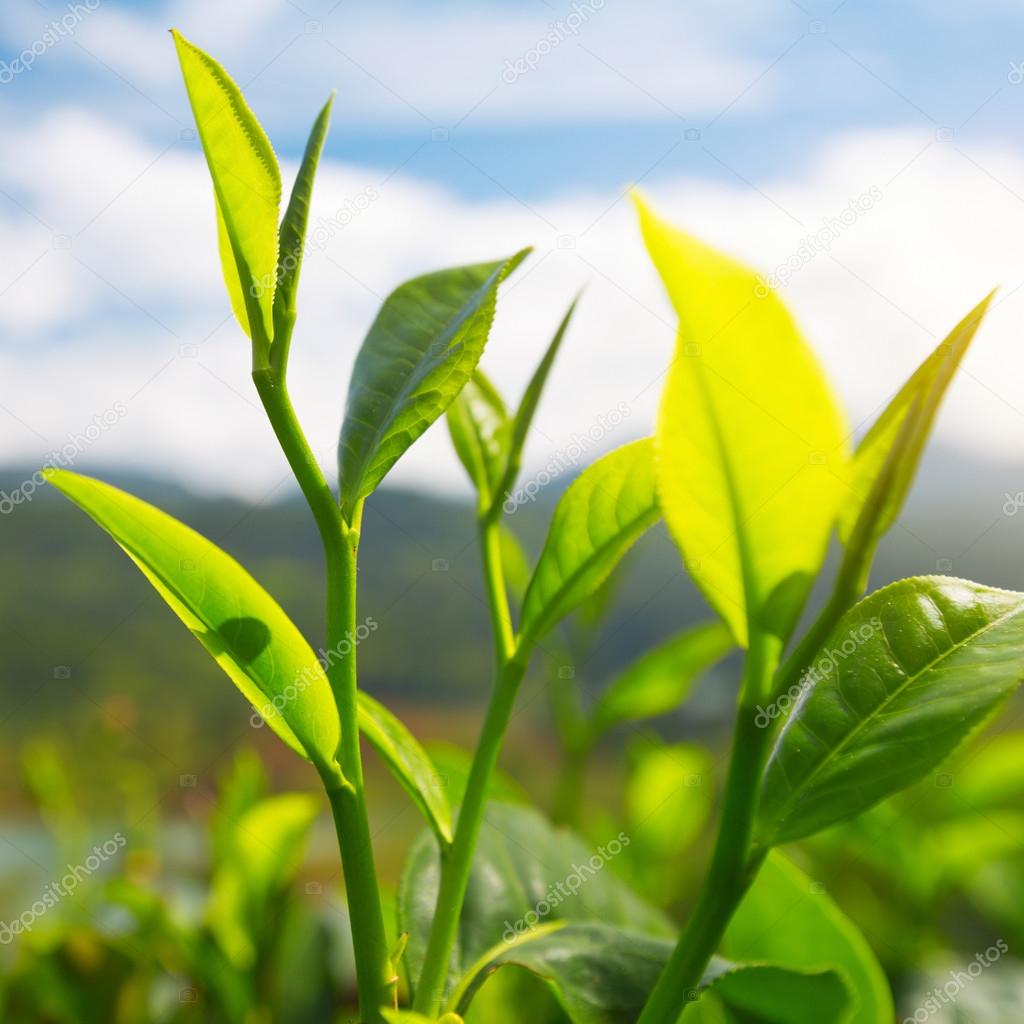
[246, 183]
[292, 233]
[903, 679]
[408, 761]
[480, 429]
[886, 460]
[231, 615]
[749, 440]
[419, 353]
[789, 920]
[660, 680]
[603, 512]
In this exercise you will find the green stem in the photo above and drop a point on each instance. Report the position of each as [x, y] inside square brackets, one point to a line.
[374, 973]
[457, 861]
[733, 864]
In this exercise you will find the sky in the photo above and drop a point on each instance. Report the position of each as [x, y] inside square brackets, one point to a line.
[464, 131]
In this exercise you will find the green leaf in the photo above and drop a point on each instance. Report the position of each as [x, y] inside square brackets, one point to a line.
[514, 563]
[292, 233]
[453, 765]
[520, 864]
[480, 429]
[886, 460]
[991, 776]
[231, 615]
[601, 974]
[246, 184]
[603, 512]
[528, 405]
[660, 680]
[788, 920]
[408, 762]
[419, 353]
[750, 440]
[904, 677]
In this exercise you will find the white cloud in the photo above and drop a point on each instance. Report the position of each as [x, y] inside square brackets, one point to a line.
[134, 311]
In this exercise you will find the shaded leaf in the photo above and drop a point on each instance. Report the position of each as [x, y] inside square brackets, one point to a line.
[419, 353]
[480, 429]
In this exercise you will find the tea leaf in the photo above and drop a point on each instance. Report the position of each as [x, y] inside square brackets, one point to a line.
[603, 512]
[601, 974]
[749, 440]
[786, 919]
[520, 858]
[409, 763]
[246, 184]
[660, 680]
[909, 672]
[480, 429]
[419, 353]
[885, 462]
[231, 615]
[292, 233]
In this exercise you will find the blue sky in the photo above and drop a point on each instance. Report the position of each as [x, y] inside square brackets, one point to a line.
[751, 122]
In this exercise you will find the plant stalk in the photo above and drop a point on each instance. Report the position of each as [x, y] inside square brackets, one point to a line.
[457, 860]
[733, 864]
[374, 972]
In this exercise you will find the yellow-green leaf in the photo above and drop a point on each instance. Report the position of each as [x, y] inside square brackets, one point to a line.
[750, 441]
[246, 184]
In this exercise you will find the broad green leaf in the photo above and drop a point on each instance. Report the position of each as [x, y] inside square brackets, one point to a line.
[529, 402]
[231, 615]
[409, 763]
[246, 183]
[886, 460]
[601, 974]
[419, 353]
[907, 674]
[659, 681]
[292, 233]
[603, 512]
[265, 852]
[788, 920]
[525, 872]
[750, 440]
[514, 563]
[480, 429]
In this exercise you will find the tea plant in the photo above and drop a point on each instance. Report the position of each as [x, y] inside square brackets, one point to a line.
[750, 468]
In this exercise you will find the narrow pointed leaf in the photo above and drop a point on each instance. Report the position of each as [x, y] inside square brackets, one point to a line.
[886, 460]
[480, 428]
[749, 438]
[419, 353]
[292, 233]
[601, 515]
[231, 615]
[246, 183]
[528, 405]
[409, 762]
[903, 679]
[659, 681]
[601, 974]
[786, 919]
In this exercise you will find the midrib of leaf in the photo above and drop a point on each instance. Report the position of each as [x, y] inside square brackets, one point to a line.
[833, 752]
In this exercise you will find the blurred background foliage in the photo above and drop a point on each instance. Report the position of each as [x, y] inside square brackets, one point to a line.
[225, 901]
